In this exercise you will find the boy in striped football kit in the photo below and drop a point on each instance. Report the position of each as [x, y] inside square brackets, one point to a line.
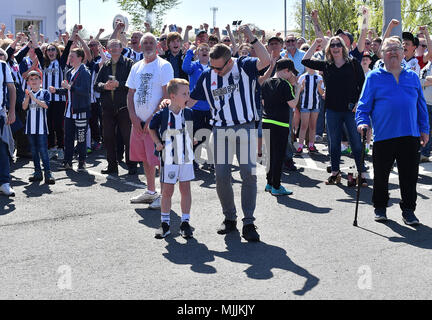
[171, 130]
[37, 101]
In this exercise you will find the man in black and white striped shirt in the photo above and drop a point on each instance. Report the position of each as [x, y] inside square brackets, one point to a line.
[229, 87]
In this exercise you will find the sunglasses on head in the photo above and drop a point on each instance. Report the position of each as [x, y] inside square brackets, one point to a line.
[221, 68]
[336, 45]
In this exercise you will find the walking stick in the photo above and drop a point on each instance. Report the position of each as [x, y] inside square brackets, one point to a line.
[364, 131]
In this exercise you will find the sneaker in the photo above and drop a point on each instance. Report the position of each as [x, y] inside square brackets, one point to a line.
[52, 153]
[89, 150]
[268, 188]
[67, 166]
[227, 226]
[7, 190]
[60, 154]
[185, 230]
[82, 166]
[49, 179]
[313, 149]
[163, 231]
[347, 151]
[155, 205]
[380, 214]
[367, 150]
[146, 197]
[281, 192]
[109, 170]
[250, 234]
[37, 176]
[195, 166]
[290, 165]
[424, 159]
[409, 218]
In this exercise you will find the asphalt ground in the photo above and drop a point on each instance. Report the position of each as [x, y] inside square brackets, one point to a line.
[82, 239]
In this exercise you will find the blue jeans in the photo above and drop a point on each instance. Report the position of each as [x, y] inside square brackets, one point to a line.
[4, 163]
[335, 121]
[426, 150]
[39, 149]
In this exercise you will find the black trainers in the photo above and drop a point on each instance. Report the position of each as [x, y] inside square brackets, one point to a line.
[250, 234]
[380, 214]
[409, 218]
[49, 179]
[163, 231]
[82, 166]
[185, 230]
[227, 226]
[37, 176]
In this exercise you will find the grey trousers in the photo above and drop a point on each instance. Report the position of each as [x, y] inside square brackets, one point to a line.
[240, 140]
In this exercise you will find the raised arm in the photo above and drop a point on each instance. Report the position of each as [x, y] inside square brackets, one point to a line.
[364, 30]
[186, 34]
[261, 52]
[233, 40]
[318, 31]
[427, 56]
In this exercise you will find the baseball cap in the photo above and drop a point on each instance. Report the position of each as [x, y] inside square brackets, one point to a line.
[349, 35]
[275, 38]
[200, 32]
[409, 36]
[286, 64]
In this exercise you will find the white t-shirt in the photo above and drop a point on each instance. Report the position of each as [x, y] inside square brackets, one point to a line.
[6, 78]
[412, 64]
[148, 80]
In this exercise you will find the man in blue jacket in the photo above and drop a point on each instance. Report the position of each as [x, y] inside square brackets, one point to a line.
[393, 99]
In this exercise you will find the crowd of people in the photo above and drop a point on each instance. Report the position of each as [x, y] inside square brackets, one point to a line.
[159, 100]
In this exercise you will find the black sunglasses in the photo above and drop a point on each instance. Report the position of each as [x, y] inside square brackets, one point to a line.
[292, 40]
[51, 49]
[221, 68]
[336, 45]
[162, 39]
[424, 45]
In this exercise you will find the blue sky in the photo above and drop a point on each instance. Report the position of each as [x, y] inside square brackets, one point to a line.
[267, 14]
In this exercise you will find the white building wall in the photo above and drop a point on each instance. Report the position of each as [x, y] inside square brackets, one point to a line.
[52, 13]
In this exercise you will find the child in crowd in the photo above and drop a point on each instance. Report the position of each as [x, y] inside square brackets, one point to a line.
[171, 131]
[36, 101]
[311, 83]
[278, 96]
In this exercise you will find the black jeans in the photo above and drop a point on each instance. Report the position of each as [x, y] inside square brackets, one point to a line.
[406, 152]
[276, 139]
[55, 119]
[96, 122]
[114, 120]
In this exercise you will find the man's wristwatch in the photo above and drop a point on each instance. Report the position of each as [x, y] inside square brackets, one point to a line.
[254, 41]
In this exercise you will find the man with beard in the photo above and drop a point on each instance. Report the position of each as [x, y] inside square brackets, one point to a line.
[147, 85]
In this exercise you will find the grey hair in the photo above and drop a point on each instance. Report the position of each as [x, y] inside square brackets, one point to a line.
[148, 35]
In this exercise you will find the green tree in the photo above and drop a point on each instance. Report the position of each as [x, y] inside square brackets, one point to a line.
[151, 11]
[335, 14]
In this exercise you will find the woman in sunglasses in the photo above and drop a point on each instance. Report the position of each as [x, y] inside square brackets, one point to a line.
[344, 78]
